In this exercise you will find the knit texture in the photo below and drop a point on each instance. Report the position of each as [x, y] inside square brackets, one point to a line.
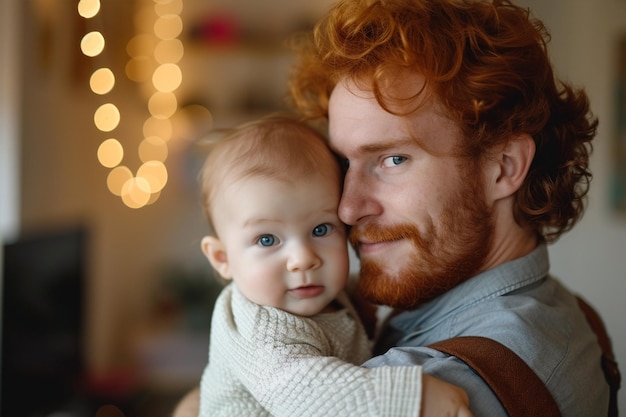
[266, 362]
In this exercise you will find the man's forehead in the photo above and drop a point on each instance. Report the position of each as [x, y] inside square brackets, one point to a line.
[357, 121]
[353, 106]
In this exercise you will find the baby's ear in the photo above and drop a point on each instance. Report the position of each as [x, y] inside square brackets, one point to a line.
[214, 250]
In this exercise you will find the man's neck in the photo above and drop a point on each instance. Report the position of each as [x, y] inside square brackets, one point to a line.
[510, 241]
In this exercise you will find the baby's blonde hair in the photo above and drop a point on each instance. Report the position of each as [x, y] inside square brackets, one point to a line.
[277, 146]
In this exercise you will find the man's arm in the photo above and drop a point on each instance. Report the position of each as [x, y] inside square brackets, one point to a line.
[483, 402]
[189, 406]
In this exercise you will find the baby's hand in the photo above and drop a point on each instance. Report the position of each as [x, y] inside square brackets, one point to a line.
[441, 399]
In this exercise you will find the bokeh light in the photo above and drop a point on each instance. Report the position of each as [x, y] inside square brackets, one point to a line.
[117, 178]
[153, 148]
[155, 173]
[162, 105]
[169, 51]
[140, 45]
[168, 27]
[167, 78]
[158, 127]
[107, 117]
[92, 44]
[154, 53]
[163, 8]
[102, 81]
[136, 192]
[110, 153]
[88, 8]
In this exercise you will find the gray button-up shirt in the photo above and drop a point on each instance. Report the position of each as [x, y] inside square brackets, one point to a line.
[521, 306]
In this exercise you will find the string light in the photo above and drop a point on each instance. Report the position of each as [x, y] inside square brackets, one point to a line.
[154, 55]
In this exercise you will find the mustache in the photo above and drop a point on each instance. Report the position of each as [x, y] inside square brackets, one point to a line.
[376, 233]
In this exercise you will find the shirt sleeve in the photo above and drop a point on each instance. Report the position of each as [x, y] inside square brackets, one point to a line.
[483, 402]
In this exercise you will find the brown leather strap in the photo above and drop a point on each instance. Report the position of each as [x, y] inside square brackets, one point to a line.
[609, 365]
[518, 388]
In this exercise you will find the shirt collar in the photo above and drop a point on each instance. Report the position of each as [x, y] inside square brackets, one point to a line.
[503, 279]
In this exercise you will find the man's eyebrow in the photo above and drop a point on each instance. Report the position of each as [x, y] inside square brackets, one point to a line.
[386, 145]
[382, 146]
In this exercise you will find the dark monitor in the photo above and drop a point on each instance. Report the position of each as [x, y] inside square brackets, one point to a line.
[42, 322]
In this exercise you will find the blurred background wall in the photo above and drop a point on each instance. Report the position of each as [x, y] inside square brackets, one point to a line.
[146, 288]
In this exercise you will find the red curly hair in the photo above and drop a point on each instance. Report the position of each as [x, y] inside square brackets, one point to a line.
[487, 63]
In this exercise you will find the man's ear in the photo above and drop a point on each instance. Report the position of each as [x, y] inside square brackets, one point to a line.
[214, 250]
[511, 166]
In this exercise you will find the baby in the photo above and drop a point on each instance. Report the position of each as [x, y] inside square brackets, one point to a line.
[285, 339]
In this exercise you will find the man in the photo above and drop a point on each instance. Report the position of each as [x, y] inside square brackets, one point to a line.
[463, 159]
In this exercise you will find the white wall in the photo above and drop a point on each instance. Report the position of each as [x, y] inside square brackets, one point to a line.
[9, 99]
[591, 259]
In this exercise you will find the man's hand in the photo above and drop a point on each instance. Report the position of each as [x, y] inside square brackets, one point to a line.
[441, 399]
[189, 406]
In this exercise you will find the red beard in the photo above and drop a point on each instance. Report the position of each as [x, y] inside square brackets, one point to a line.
[444, 255]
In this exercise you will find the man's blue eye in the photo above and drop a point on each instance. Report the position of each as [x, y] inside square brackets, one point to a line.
[322, 230]
[393, 161]
[266, 240]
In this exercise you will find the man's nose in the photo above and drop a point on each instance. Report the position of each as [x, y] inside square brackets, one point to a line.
[357, 199]
[303, 257]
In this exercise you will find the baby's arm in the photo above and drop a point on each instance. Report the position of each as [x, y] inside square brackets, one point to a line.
[438, 399]
[285, 363]
[308, 385]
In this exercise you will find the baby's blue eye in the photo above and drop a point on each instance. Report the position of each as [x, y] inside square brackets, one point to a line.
[322, 230]
[266, 240]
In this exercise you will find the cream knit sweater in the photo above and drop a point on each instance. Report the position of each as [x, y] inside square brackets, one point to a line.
[266, 362]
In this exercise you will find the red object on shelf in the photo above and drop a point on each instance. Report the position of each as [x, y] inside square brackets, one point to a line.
[218, 29]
